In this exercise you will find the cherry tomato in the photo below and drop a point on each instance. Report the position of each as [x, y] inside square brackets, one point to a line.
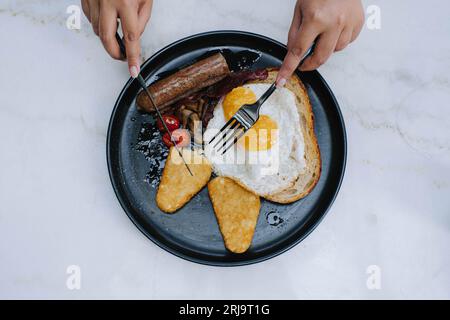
[171, 122]
[181, 136]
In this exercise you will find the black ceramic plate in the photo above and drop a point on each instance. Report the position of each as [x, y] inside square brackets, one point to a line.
[134, 159]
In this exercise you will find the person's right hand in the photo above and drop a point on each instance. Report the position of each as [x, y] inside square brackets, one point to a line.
[332, 24]
[133, 15]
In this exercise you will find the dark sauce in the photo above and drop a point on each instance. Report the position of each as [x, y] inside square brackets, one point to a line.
[150, 144]
[237, 61]
[273, 218]
[240, 60]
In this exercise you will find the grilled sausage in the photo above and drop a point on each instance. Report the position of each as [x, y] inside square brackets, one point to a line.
[185, 82]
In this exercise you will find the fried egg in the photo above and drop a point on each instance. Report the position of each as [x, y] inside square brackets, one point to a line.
[271, 155]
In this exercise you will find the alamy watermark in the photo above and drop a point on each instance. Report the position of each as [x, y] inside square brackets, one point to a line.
[373, 281]
[373, 17]
[73, 21]
[73, 281]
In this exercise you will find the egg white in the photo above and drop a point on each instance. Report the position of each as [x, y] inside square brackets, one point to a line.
[269, 171]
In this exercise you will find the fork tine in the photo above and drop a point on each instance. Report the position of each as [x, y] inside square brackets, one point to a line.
[221, 130]
[229, 137]
[225, 134]
[236, 138]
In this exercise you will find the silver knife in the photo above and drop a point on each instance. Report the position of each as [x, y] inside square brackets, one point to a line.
[144, 87]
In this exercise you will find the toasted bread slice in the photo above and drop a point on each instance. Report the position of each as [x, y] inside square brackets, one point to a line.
[306, 181]
[237, 211]
[177, 186]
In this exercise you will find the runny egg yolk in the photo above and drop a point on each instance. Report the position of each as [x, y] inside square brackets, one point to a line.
[236, 99]
[262, 135]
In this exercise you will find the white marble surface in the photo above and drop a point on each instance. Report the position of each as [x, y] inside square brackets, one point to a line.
[58, 207]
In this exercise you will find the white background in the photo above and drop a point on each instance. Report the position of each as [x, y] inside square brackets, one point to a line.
[57, 207]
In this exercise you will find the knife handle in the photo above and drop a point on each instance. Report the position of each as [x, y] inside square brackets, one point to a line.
[123, 50]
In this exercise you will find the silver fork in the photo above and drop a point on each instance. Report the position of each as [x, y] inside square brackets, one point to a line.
[245, 117]
[241, 122]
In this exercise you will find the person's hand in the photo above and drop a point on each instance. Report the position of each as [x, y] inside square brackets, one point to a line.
[133, 14]
[333, 24]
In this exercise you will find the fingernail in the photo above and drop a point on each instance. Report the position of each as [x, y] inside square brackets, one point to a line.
[281, 83]
[134, 71]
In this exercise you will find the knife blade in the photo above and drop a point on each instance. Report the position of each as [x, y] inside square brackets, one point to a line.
[144, 87]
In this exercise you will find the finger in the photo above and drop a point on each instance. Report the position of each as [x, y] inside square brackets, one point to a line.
[85, 7]
[324, 48]
[306, 35]
[107, 28]
[295, 25]
[344, 39]
[130, 28]
[94, 12]
[355, 33]
[144, 13]
[359, 25]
